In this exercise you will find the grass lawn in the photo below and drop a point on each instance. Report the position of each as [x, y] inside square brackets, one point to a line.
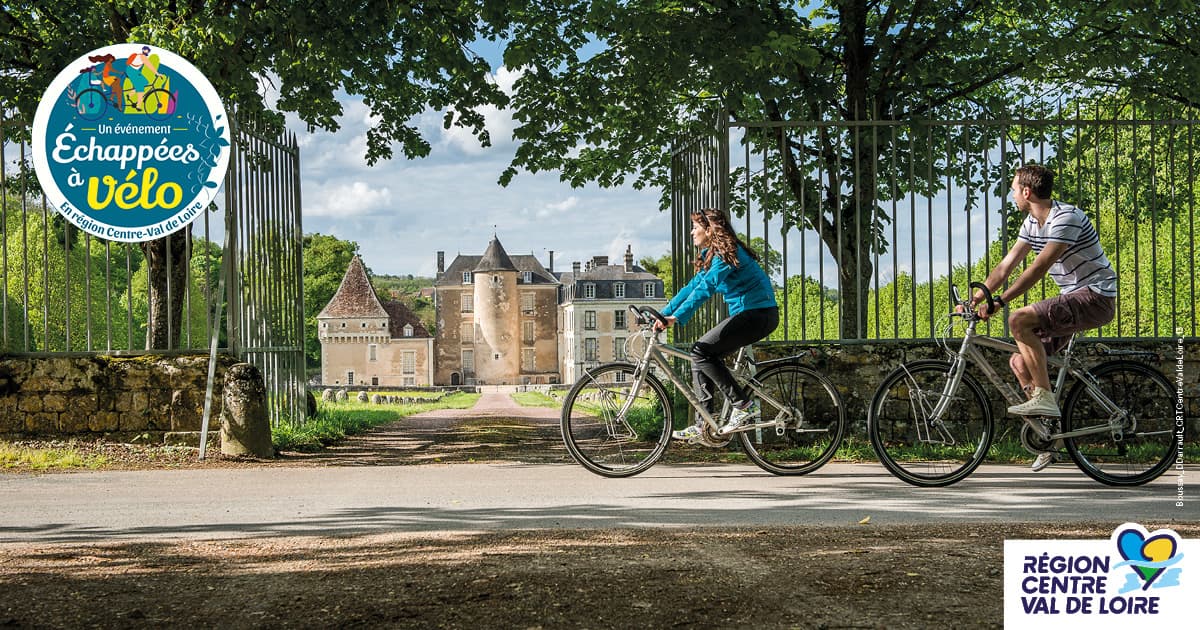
[535, 399]
[335, 421]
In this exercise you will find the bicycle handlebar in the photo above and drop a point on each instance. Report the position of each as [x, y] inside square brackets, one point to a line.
[645, 314]
[967, 313]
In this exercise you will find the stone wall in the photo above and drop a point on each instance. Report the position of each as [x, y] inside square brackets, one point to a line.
[155, 398]
[858, 368]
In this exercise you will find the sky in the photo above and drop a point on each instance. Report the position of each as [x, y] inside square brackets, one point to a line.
[402, 212]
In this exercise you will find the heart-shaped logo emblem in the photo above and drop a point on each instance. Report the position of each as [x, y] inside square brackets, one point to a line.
[1147, 554]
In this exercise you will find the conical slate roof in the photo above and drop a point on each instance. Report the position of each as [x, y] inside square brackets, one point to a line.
[355, 297]
[495, 258]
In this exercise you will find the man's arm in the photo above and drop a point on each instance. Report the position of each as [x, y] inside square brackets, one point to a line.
[1035, 271]
[1014, 256]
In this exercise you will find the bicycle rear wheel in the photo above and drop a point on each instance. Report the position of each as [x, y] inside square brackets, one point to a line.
[91, 104]
[1138, 456]
[914, 446]
[813, 421]
[612, 427]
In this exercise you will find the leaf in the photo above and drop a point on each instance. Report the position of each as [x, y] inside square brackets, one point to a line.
[865, 521]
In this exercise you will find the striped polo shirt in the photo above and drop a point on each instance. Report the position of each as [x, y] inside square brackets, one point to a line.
[1084, 263]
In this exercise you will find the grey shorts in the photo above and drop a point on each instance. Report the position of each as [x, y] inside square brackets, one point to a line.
[1064, 315]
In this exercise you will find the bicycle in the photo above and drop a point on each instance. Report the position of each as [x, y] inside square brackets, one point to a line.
[931, 424]
[617, 419]
[92, 103]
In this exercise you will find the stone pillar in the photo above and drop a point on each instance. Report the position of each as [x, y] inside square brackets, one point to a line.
[245, 427]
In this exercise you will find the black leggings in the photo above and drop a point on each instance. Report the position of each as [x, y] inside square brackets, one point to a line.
[708, 368]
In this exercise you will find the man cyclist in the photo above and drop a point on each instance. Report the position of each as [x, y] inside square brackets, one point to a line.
[1068, 248]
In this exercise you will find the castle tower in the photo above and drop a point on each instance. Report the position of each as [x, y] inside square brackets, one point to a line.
[497, 317]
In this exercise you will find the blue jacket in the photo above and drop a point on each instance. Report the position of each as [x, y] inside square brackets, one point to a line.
[745, 287]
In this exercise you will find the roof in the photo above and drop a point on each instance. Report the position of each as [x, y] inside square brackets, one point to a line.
[495, 258]
[398, 316]
[355, 297]
[520, 262]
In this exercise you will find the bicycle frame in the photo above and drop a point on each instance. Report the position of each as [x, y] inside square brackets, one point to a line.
[656, 353]
[970, 351]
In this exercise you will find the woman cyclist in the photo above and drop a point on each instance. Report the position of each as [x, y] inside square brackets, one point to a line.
[725, 266]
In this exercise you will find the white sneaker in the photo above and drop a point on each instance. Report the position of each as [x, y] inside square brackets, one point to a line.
[1043, 460]
[740, 417]
[690, 433]
[1041, 404]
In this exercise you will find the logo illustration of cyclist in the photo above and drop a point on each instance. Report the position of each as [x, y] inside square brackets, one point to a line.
[135, 86]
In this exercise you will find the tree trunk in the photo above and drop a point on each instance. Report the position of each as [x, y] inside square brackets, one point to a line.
[167, 262]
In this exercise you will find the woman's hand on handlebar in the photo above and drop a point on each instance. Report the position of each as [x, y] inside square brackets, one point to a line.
[660, 326]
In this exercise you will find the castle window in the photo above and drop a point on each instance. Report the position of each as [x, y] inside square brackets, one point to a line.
[589, 320]
[591, 349]
[619, 290]
[468, 360]
[589, 291]
[468, 332]
[496, 282]
[468, 303]
[364, 324]
[374, 380]
[408, 330]
[618, 349]
[527, 360]
[526, 277]
[343, 324]
[619, 320]
[408, 362]
[466, 277]
[350, 378]
[648, 290]
[372, 352]
[410, 381]
[527, 332]
[324, 324]
[527, 301]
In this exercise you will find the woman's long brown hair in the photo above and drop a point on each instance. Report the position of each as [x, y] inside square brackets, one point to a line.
[723, 241]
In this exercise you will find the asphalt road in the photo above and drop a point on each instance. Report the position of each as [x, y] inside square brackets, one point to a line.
[241, 502]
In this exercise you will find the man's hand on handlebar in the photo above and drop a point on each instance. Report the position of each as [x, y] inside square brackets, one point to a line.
[660, 326]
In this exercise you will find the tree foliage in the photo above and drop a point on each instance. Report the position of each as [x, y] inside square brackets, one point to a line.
[326, 258]
[609, 86]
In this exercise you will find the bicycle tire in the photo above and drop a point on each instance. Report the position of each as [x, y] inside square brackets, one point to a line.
[895, 436]
[802, 448]
[1135, 460]
[604, 443]
[161, 102]
[91, 97]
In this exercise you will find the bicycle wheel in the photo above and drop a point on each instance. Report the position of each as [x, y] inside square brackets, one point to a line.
[917, 448]
[613, 428]
[158, 104]
[813, 421]
[1147, 443]
[91, 104]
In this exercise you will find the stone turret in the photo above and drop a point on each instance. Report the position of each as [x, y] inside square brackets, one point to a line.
[497, 315]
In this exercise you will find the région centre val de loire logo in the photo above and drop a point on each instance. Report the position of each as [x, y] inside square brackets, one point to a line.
[130, 142]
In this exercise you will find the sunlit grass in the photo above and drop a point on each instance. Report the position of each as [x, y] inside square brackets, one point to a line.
[47, 459]
[535, 399]
[334, 421]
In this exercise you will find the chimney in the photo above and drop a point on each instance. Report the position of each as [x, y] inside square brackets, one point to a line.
[599, 261]
[575, 267]
[441, 257]
[628, 258]
[552, 262]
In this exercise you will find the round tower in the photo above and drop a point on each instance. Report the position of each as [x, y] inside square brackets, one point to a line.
[497, 317]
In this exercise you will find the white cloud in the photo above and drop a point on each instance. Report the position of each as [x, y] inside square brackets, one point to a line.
[341, 199]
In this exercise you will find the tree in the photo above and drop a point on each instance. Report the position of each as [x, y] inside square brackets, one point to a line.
[325, 261]
[662, 70]
[400, 57]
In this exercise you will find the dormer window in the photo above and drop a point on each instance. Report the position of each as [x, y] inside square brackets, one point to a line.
[466, 277]
[408, 330]
[649, 290]
[589, 291]
[527, 277]
[619, 290]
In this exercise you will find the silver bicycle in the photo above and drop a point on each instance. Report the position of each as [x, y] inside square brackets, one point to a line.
[931, 424]
[617, 419]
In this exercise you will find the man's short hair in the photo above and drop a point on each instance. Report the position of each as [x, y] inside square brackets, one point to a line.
[1038, 178]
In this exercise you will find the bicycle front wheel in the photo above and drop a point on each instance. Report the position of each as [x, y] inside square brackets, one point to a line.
[614, 427]
[917, 447]
[1144, 444]
[158, 104]
[808, 428]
